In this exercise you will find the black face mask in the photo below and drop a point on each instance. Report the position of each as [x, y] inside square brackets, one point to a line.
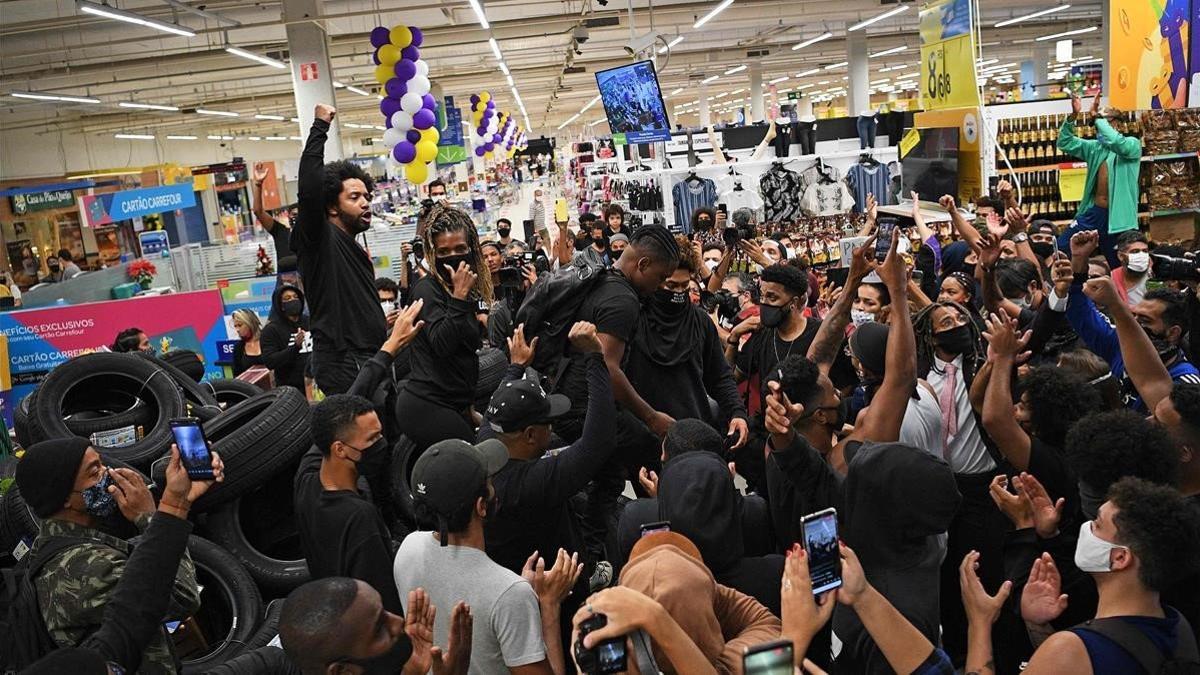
[1042, 249]
[598, 241]
[292, 307]
[969, 269]
[372, 459]
[772, 316]
[616, 255]
[581, 244]
[703, 224]
[955, 341]
[669, 302]
[503, 231]
[54, 267]
[453, 262]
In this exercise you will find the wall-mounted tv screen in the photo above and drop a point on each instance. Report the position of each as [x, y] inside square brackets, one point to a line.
[633, 102]
[931, 167]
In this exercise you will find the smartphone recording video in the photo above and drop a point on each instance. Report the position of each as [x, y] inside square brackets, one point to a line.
[193, 447]
[821, 545]
[883, 239]
[770, 658]
[660, 526]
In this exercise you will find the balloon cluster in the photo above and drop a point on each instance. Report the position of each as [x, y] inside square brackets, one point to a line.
[485, 125]
[408, 107]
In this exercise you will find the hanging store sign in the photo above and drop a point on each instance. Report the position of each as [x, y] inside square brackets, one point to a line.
[41, 201]
[947, 56]
[104, 209]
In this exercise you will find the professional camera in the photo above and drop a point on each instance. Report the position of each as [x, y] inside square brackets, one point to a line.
[739, 227]
[418, 248]
[609, 656]
[1168, 268]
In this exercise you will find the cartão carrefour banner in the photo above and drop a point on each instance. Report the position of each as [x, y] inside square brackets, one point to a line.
[947, 56]
[40, 339]
[103, 209]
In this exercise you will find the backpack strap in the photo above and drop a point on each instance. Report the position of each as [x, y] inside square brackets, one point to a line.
[49, 549]
[1133, 640]
[1185, 641]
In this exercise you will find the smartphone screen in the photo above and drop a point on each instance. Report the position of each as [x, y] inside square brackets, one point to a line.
[772, 658]
[821, 545]
[651, 528]
[193, 447]
[883, 242]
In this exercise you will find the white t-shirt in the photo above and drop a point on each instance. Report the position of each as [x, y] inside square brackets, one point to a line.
[507, 630]
[742, 199]
[967, 454]
[922, 425]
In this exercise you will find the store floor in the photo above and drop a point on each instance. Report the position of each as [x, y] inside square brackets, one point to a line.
[519, 212]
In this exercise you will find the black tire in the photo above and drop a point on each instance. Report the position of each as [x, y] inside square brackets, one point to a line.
[195, 394]
[259, 529]
[230, 606]
[404, 456]
[269, 628]
[492, 364]
[87, 422]
[73, 386]
[256, 440]
[16, 522]
[187, 361]
[230, 392]
[25, 425]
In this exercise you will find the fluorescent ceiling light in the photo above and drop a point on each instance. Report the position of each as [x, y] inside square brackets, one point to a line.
[147, 106]
[602, 119]
[266, 61]
[483, 22]
[810, 71]
[495, 48]
[812, 41]
[839, 64]
[991, 69]
[823, 83]
[295, 138]
[571, 119]
[279, 118]
[735, 92]
[981, 63]
[716, 10]
[672, 43]
[805, 86]
[53, 97]
[380, 127]
[888, 14]
[214, 138]
[218, 113]
[254, 138]
[879, 82]
[1043, 12]
[722, 94]
[503, 68]
[676, 92]
[893, 50]
[227, 138]
[777, 80]
[182, 138]
[510, 80]
[1069, 33]
[338, 85]
[135, 137]
[356, 90]
[276, 138]
[736, 69]
[590, 103]
[1089, 59]
[712, 78]
[131, 17]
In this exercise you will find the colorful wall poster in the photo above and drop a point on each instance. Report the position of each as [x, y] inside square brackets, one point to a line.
[41, 339]
[110, 207]
[947, 56]
[1148, 54]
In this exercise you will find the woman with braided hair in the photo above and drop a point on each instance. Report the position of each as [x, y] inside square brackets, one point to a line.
[435, 404]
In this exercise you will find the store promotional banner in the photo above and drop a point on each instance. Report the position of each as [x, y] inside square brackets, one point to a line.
[41, 201]
[451, 149]
[1148, 53]
[110, 207]
[947, 56]
[41, 339]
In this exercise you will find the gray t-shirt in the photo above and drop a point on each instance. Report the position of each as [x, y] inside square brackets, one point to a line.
[507, 629]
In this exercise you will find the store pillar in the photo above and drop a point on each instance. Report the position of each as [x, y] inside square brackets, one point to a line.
[756, 92]
[859, 84]
[705, 119]
[312, 73]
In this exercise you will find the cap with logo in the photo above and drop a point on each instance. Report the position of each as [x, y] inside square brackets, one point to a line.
[520, 403]
[451, 474]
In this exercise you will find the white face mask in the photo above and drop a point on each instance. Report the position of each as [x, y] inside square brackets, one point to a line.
[1138, 262]
[387, 306]
[439, 198]
[712, 265]
[791, 252]
[1093, 554]
[1022, 302]
[858, 317]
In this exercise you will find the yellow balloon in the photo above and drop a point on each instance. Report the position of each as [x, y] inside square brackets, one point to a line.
[488, 155]
[384, 73]
[485, 97]
[430, 135]
[389, 54]
[426, 151]
[416, 172]
[400, 36]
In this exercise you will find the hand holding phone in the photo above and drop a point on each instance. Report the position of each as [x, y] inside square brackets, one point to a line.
[194, 450]
[660, 526]
[821, 545]
[770, 658]
[883, 240]
[560, 210]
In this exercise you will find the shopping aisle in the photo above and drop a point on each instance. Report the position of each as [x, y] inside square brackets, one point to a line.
[519, 212]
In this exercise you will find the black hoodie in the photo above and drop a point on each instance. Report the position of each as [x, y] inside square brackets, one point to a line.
[280, 352]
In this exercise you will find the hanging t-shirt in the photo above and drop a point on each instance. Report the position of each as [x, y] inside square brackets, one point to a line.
[781, 193]
[689, 195]
[741, 198]
[827, 199]
[864, 179]
[817, 173]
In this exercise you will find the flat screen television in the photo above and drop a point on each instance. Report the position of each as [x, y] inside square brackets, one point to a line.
[633, 102]
[931, 167]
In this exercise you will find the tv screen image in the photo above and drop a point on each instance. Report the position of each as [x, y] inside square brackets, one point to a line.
[633, 102]
[931, 167]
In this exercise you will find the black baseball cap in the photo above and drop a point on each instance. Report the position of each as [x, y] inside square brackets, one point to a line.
[520, 403]
[451, 473]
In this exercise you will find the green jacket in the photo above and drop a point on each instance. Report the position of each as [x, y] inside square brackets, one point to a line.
[1124, 157]
[74, 587]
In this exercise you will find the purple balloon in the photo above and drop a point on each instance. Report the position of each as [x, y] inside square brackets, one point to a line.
[424, 119]
[396, 88]
[491, 105]
[429, 102]
[479, 151]
[417, 36]
[405, 69]
[387, 119]
[411, 53]
[404, 152]
[413, 136]
[489, 146]
[380, 36]
[495, 138]
[474, 99]
[487, 115]
[375, 57]
[389, 106]
[481, 131]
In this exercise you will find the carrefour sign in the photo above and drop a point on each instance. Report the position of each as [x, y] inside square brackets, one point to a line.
[104, 209]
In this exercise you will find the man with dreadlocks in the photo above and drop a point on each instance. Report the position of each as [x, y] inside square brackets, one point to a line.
[339, 278]
[436, 401]
[950, 352]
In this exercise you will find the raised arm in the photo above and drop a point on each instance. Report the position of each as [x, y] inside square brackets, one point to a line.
[993, 300]
[1142, 362]
[310, 220]
[1068, 142]
[872, 212]
[1124, 146]
[828, 340]
[562, 245]
[718, 156]
[965, 230]
[1018, 224]
[260, 213]
[717, 278]
[1004, 345]
[761, 149]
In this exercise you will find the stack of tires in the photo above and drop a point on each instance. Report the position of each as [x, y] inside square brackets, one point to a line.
[246, 549]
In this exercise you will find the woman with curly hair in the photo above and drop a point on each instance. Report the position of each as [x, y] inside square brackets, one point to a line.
[436, 401]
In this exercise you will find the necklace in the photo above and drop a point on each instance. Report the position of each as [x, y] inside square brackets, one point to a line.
[775, 346]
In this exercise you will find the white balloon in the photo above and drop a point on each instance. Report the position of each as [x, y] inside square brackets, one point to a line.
[392, 136]
[422, 68]
[411, 102]
[402, 121]
[419, 84]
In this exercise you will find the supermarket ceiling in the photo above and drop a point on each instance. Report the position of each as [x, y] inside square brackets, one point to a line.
[54, 47]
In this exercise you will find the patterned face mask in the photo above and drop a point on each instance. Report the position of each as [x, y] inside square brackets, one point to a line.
[97, 500]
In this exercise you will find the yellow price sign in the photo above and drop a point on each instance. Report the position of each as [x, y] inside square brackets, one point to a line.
[1071, 183]
[909, 141]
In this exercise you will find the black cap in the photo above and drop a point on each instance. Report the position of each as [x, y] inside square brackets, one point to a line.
[46, 473]
[520, 403]
[451, 474]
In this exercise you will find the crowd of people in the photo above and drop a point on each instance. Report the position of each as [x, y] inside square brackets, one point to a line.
[1004, 417]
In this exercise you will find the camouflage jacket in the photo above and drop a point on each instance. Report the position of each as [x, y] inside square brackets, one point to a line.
[74, 587]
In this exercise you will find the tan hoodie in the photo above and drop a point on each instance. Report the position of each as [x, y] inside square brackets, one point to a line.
[721, 621]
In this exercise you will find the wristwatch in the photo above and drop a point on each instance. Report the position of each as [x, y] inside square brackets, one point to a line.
[1020, 238]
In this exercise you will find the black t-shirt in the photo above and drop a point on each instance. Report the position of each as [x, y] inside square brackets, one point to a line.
[282, 236]
[1046, 464]
[613, 306]
[445, 366]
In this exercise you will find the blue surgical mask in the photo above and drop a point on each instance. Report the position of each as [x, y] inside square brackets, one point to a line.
[97, 500]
